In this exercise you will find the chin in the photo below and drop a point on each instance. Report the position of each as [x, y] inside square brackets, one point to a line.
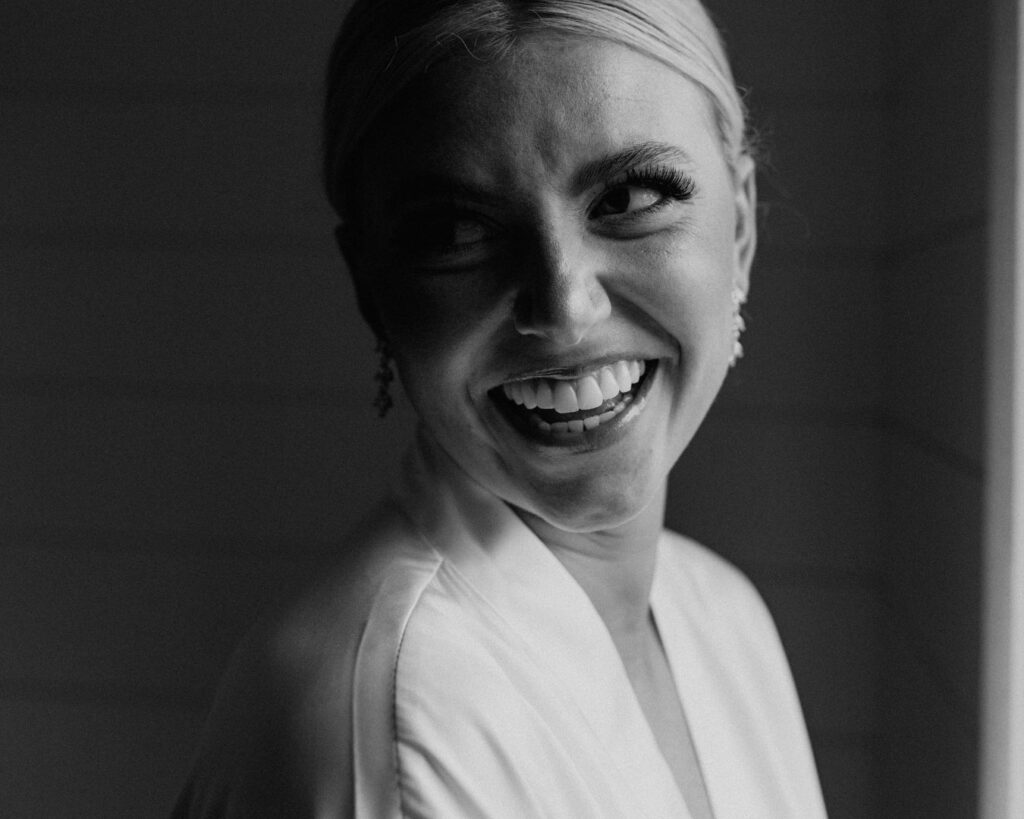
[586, 502]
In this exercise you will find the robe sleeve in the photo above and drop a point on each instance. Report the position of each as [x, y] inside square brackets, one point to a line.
[276, 745]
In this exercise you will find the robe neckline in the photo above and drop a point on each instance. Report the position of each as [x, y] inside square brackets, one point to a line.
[523, 582]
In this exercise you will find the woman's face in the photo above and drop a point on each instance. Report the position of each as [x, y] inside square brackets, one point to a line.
[540, 230]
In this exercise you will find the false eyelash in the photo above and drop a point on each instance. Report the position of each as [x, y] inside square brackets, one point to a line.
[669, 182]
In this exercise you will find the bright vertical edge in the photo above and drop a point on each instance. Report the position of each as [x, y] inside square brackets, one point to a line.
[1002, 727]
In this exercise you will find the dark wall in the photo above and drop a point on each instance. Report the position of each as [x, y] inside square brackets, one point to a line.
[185, 388]
[185, 385]
[934, 288]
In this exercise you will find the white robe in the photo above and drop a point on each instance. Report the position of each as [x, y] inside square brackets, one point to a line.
[454, 668]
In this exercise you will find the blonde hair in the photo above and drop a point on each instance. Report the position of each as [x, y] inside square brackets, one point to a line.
[383, 45]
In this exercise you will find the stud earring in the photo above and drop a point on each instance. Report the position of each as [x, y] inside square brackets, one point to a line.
[739, 298]
[384, 376]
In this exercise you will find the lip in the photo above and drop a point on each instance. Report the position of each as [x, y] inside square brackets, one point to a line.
[570, 372]
[588, 439]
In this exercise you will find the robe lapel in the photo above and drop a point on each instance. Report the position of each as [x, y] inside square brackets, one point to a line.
[715, 710]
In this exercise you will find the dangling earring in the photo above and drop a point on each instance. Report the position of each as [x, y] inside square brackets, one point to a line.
[739, 298]
[384, 376]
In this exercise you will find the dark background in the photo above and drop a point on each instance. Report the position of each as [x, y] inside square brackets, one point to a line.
[185, 386]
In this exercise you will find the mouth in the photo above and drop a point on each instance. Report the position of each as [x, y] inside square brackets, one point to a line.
[553, 408]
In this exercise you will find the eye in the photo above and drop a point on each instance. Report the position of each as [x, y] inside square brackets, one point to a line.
[626, 199]
[451, 233]
[438, 238]
[641, 192]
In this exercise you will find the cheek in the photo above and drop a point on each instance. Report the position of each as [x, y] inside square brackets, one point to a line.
[439, 328]
[684, 285]
[431, 311]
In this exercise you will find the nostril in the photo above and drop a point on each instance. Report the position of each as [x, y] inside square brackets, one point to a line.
[563, 312]
[539, 314]
[522, 314]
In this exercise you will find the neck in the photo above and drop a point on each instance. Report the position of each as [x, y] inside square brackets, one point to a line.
[615, 567]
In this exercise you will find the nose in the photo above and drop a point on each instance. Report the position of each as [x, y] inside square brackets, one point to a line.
[561, 295]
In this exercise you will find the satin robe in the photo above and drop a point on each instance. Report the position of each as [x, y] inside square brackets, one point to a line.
[453, 668]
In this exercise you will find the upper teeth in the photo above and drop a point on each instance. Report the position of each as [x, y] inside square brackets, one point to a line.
[584, 393]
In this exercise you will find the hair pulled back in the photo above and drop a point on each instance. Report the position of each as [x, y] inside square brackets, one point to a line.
[383, 45]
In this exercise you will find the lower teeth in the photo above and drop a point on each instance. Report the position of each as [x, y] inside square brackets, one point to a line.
[580, 424]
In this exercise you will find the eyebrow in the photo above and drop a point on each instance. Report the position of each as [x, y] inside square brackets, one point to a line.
[644, 153]
[432, 187]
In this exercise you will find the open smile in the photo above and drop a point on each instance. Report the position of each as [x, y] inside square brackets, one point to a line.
[561, 409]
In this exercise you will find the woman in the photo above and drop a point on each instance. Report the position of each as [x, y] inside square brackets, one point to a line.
[548, 212]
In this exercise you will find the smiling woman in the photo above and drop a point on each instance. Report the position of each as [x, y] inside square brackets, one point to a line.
[548, 213]
[572, 215]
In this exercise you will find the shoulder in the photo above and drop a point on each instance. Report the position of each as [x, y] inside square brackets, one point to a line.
[477, 723]
[279, 739]
[382, 567]
[375, 583]
[452, 649]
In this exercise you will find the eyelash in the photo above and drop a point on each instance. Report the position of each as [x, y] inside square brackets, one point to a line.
[669, 182]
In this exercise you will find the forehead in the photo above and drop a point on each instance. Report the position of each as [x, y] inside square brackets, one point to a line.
[544, 108]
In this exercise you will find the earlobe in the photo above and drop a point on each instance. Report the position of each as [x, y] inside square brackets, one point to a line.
[746, 219]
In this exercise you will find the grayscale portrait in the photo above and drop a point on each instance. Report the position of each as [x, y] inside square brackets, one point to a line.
[496, 409]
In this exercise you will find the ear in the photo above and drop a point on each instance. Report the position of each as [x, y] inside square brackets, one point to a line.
[352, 253]
[746, 220]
